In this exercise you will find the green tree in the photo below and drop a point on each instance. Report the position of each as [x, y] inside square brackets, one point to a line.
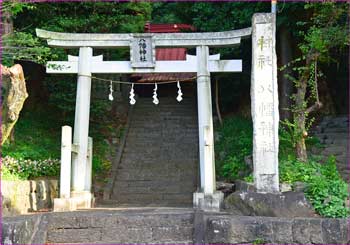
[325, 32]
[18, 44]
[81, 17]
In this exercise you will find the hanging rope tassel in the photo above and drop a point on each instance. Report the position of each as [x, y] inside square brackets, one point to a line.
[155, 99]
[110, 96]
[179, 92]
[132, 95]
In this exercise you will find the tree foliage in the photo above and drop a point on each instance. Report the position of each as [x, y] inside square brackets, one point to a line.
[18, 44]
[325, 32]
[81, 17]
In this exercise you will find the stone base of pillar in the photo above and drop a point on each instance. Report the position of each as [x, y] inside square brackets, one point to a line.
[78, 200]
[208, 202]
[266, 183]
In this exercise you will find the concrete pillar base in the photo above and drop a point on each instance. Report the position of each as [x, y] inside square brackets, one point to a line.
[78, 200]
[208, 202]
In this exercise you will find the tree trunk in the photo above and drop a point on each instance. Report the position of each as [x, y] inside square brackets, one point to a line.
[217, 100]
[7, 23]
[285, 84]
[300, 144]
[300, 120]
[14, 95]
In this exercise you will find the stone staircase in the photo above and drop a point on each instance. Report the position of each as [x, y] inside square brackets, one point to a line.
[151, 226]
[159, 163]
[333, 132]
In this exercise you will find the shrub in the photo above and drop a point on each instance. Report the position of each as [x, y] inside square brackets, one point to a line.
[28, 169]
[37, 136]
[325, 189]
[6, 174]
[234, 144]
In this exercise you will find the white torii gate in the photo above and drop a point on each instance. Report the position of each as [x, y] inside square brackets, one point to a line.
[142, 54]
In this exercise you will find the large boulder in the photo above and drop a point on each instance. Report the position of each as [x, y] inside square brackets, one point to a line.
[287, 204]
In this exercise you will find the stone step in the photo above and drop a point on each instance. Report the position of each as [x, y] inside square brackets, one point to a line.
[163, 116]
[153, 159]
[149, 178]
[167, 150]
[154, 183]
[162, 143]
[164, 106]
[154, 187]
[170, 183]
[338, 135]
[335, 149]
[335, 141]
[160, 169]
[143, 138]
[165, 102]
[117, 204]
[165, 139]
[139, 147]
[153, 198]
[164, 127]
[333, 124]
[190, 136]
[121, 227]
[156, 170]
[333, 130]
[123, 176]
[164, 123]
[159, 150]
[166, 136]
[154, 190]
[156, 165]
[135, 161]
[157, 118]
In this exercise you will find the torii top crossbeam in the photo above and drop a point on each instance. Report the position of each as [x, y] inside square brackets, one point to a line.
[144, 42]
[211, 39]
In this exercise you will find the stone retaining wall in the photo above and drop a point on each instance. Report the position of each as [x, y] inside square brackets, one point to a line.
[206, 228]
[21, 197]
[29, 229]
[245, 229]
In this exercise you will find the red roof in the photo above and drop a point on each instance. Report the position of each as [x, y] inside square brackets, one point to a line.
[167, 54]
[164, 77]
[171, 54]
[167, 28]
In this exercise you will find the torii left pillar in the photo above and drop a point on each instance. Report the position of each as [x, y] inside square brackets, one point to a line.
[80, 196]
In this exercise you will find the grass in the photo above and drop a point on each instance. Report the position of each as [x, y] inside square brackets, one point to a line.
[37, 136]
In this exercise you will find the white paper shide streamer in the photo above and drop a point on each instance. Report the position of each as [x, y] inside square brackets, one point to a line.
[179, 92]
[155, 99]
[132, 95]
[110, 96]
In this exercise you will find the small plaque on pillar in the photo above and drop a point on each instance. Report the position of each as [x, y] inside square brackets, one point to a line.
[142, 51]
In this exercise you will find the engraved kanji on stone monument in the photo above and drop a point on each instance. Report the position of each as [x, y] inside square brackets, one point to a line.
[265, 103]
[142, 51]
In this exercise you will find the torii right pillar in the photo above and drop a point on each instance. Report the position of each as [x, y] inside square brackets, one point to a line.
[264, 107]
